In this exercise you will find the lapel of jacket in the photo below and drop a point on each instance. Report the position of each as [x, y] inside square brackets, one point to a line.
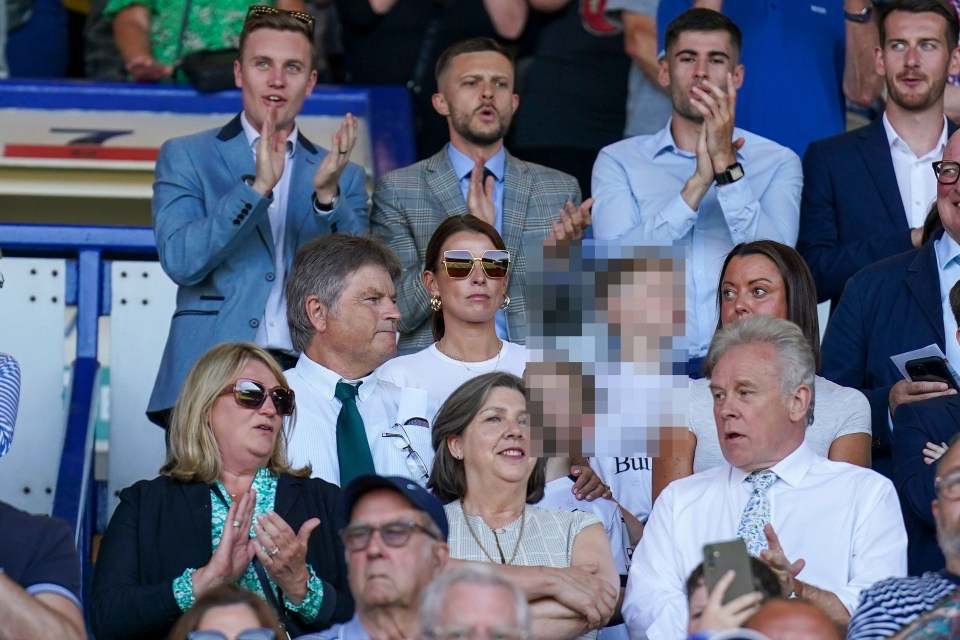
[239, 159]
[444, 185]
[923, 280]
[289, 492]
[300, 197]
[874, 151]
[517, 185]
[198, 500]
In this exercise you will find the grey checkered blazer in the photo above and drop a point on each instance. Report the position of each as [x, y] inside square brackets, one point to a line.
[409, 204]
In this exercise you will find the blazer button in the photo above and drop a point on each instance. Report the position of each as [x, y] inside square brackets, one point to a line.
[254, 323]
[246, 207]
[270, 277]
[236, 222]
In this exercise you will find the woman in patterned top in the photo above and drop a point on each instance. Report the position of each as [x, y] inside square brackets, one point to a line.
[484, 469]
[227, 508]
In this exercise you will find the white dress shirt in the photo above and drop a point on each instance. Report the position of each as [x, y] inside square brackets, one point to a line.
[915, 180]
[314, 437]
[843, 520]
[637, 184]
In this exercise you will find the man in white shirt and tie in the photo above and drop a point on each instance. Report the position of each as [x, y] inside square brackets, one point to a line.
[828, 529]
[341, 305]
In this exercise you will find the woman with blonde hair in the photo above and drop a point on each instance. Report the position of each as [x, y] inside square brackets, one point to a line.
[227, 508]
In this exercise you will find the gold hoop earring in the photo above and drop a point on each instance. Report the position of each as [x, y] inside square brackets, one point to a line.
[506, 301]
[435, 303]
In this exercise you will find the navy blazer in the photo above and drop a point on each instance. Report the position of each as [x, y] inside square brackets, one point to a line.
[888, 308]
[162, 527]
[851, 212]
[214, 240]
[917, 423]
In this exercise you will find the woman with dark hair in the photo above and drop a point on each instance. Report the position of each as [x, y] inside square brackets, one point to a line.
[228, 612]
[769, 278]
[484, 469]
[466, 273]
[227, 508]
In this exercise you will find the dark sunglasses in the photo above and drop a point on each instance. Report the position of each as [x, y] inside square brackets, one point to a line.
[459, 263]
[260, 10]
[249, 634]
[357, 537]
[252, 394]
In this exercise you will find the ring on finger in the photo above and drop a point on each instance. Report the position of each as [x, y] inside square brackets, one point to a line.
[236, 524]
[274, 551]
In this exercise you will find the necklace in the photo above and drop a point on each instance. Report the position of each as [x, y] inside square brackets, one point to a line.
[516, 547]
[463, 363]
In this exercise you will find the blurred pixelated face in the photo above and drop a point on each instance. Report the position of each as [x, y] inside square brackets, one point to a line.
[229, 620]
[646, 310]
[476, 96]
[946, 511]
[948, 195]
[752, 284]
[243, 434]
[916, 59]
[362, 329]
[757, 425]
[474, 299]
[479, 611]
[496, 443]
[276, 74]
[557, 409]
[698, 57]
[385, 576]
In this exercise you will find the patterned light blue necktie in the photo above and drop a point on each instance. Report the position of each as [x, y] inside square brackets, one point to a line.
[757, 512]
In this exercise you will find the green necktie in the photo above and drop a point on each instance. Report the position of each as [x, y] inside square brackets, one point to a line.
[353, 450]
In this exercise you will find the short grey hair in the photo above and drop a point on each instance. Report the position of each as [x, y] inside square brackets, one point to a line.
[794, 355]
[321, 269]
[470, 573]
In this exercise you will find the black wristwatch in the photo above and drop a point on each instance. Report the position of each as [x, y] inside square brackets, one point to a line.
[733, 173]
[862, 17]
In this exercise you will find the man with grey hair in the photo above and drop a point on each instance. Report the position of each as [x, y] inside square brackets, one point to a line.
[827, 529]
[341, 305]
[471, 598]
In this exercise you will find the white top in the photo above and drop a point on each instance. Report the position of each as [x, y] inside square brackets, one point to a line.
[837, 411]
[314, 438]
[843, 520]
[558, 495]
[440, 375]
[916, 182]
[631, 484]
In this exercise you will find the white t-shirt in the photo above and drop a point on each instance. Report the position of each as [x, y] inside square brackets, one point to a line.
[440, 376]
[837, 411]
[632, 485]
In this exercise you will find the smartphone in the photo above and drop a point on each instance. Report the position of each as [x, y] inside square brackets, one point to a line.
[930, 369]
[720, 557]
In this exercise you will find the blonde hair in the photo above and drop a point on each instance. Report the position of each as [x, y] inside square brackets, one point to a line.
[193, 454]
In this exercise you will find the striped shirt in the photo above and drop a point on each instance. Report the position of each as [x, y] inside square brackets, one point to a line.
[9, 399]
[891, 604]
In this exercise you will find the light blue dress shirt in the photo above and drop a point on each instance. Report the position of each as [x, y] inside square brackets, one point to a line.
[637, 183]
[948, 252]
[497, 164]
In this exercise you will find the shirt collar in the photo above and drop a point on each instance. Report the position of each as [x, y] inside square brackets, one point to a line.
[791, 469]
[462, 165]
[663, 141]
[946, 249]
[894, 139]
[325, 380]
[253, 135]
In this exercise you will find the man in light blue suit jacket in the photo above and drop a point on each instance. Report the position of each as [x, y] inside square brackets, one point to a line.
[231, 207]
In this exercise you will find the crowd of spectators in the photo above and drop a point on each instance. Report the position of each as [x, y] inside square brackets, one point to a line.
[352, 449]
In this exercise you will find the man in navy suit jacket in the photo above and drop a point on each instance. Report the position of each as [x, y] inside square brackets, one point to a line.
[866, 193]
[892, 307]
[231, 207]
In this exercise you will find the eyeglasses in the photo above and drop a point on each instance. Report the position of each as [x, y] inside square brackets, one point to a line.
[261, 633]
[947, 171]
[415, 464]
[948, 486]
[475, 633]
[459, 263]
[260, 10]
[252, 394]
[357, 537]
